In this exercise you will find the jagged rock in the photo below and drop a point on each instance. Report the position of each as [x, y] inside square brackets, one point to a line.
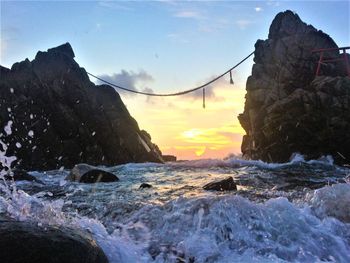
[169, 158]
[84, 173]
[145, 185]
[222, 185]
[287, 108]
[24, 242]
[61, 118]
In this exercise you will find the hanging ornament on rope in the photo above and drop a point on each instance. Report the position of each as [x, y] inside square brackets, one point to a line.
[231, 80]
[203, 98]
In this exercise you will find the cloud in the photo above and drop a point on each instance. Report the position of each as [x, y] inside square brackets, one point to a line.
[258, 9]
[177, 38]
[189, 14]
[149, 98]
[129, 80]
[115, 5]
[243, 23]
[210, 89]
[273, 3]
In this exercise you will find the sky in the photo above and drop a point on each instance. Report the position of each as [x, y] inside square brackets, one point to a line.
[165, 46]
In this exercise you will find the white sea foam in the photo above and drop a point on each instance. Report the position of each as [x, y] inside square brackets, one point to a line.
[333, 201]
[238, 162]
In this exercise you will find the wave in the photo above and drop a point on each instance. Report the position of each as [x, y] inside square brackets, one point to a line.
[238, 162]
[212, 229]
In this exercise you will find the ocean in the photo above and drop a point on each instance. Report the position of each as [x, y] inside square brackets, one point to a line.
[289, 212]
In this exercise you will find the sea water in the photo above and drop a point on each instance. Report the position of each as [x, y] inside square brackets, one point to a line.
[293, 212]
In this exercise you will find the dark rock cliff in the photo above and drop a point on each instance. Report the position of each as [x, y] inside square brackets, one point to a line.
[60, 118]
[288, 109]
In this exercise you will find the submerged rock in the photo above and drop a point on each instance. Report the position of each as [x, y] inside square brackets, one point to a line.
[84, 173]
[25, 242]
[223, 185]
[60, 118]
[288, 109]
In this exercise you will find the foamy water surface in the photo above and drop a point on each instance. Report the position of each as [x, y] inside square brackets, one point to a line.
[293, 212]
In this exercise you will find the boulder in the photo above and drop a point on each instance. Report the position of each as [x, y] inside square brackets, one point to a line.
[288, 109]
[23, 242]
[222, 185]
[84, 173]
[60, 118]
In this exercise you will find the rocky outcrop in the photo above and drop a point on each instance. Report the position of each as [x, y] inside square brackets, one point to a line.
[27, 242]
[84, 173]
[60, 118]
[288, 109]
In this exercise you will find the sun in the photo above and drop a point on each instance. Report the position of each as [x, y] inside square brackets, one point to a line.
[191, 133]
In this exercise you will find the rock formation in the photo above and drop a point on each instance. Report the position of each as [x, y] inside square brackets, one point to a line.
[60, 118]
[288, 108]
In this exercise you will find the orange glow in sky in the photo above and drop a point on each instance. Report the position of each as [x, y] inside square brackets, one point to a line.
[181, 127]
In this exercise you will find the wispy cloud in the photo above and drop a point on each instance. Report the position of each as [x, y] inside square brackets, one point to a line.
[115, 5]
[258, 9]
[178, 38]
[273, 3]
[189, 14]
[243, 23]
[129, 80]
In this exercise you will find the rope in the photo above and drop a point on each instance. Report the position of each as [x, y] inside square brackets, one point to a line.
[177, 93]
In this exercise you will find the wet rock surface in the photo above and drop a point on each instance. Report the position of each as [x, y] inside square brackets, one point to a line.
[24, 242]
[60, 118]
[288, 109]
[222, 185]
[84, 173]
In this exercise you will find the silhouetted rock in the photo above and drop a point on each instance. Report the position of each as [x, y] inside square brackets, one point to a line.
[23, 242]
[169, 158]
[222, 185]
[145, 185]
[61, 118]
[84, 173]
[287, 108]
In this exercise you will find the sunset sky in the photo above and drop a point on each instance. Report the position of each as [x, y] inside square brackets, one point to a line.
[165, 46]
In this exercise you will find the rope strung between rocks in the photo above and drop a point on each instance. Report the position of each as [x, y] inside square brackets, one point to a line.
[177, 93]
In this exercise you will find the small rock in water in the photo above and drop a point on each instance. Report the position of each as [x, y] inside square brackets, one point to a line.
[84, 173]
[145, 185]
[223, 185]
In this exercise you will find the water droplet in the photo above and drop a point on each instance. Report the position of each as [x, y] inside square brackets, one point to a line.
[18, 145]
[12, 90]
[31, 133]
[7, 128]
